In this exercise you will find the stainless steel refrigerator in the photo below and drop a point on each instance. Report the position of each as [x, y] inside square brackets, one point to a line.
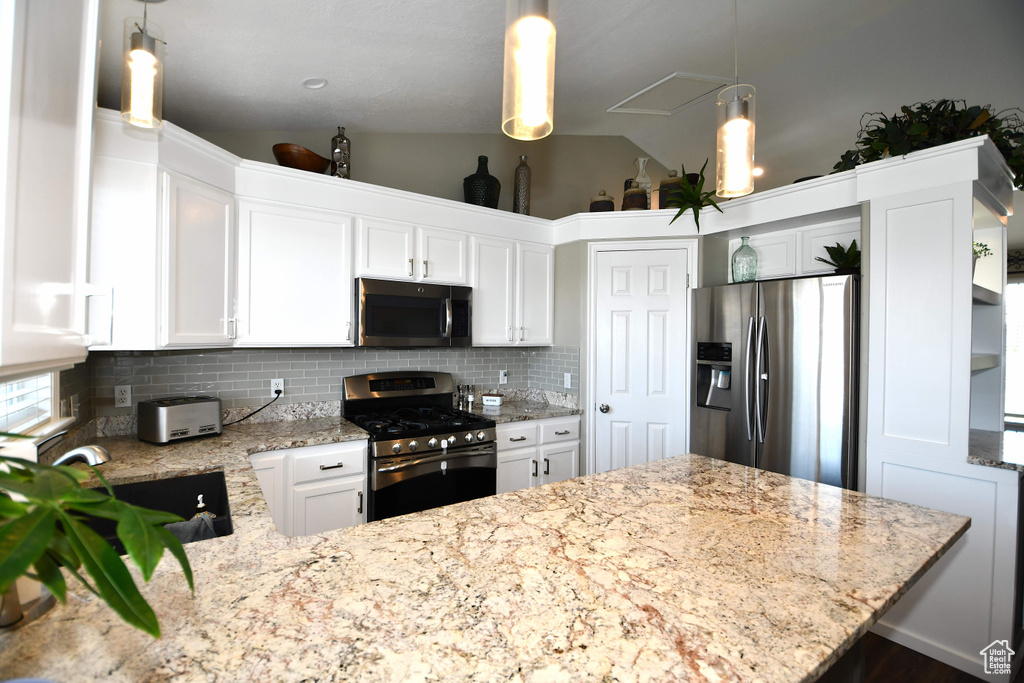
[775, 376]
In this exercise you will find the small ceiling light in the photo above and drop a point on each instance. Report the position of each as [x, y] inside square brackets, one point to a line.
[314, 83]
[758, 172]
[142, 71]
[529, 80]
[735, 165]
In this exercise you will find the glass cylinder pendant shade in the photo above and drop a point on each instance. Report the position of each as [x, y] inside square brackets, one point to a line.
[735, 170]
[142, 73]
[529, 82]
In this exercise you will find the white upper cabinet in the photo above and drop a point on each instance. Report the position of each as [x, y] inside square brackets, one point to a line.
[197, 290]
[294, 276]
[400, 251]
[535, 294]
[441, 256]
[493, 290]
[385, 249]
[47, 75]
[513, 292]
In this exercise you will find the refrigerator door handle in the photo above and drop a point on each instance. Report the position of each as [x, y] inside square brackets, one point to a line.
[761, 403]
[748, 405]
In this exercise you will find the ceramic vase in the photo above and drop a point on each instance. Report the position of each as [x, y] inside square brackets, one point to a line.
[521, 188]
[744, 262]
[341, 154]
[602, 202]
[481, 188]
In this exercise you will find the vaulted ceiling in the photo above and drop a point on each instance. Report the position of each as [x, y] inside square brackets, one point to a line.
[435, 66]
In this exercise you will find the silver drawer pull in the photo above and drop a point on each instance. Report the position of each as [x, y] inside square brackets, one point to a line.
[518, 438]
[360, 510]
[332, 467]
[562, 433]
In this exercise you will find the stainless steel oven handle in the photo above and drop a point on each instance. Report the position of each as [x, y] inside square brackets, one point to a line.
[448, 318]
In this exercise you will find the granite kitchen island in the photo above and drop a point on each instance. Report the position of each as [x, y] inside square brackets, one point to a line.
[683, 569]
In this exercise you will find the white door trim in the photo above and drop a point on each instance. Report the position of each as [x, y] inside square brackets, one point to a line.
[590, 369]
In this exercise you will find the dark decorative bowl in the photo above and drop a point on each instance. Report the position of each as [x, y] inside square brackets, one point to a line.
[294, 156]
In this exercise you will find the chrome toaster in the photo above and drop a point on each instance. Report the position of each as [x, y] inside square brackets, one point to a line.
[162, 420]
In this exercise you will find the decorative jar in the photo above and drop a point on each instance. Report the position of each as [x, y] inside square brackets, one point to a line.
[744, 262]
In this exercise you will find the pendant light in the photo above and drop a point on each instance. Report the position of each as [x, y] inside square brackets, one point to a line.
[735, 160]
[529, 80]
[142, 71]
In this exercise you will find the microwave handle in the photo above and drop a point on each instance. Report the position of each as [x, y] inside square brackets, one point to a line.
[448, 318]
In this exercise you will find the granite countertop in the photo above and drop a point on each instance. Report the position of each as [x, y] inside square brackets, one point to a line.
[683, 569]
[996, 449]
[519, 411]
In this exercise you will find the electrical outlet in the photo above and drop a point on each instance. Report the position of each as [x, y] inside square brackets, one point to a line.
[567, 381]
[275, 386]
[502, 376]
[123, 396]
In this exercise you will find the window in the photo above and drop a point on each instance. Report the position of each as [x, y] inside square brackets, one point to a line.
[27, 402]
[1014, 301]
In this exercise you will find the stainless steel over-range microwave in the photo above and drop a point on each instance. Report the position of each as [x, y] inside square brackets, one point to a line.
[406, 314]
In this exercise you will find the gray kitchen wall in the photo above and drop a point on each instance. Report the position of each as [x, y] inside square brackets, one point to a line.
[566, 170]
[241, 377]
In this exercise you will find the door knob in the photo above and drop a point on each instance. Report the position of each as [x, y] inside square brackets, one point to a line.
[604, 408]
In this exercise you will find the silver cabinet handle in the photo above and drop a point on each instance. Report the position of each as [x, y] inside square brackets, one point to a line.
[348, 331]
[518, 438]
[233, 329]
[547, 466]
[604, 408]
[534, 467]
[332, 467]
[359, 510]
[410, 267]
[425, 271]
[510, 333]
[520, 334]
[562, 433]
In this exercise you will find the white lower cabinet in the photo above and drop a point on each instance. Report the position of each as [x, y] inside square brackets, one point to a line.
[314, 489]
[537, 452]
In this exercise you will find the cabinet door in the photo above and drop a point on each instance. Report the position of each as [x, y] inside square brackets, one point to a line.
[384, 249]
[269, 469]
[198, 258]
[327, 505]
[559, 461]
[517, 470]
[48, 56]
[493, 262]
[441, 256]
[535, 300]
[294, 276]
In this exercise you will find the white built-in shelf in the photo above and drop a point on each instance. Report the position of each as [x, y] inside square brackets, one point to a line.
[984, 361]
[984, 295]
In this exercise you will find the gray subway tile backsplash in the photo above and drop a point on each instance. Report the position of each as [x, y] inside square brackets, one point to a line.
[241, 377]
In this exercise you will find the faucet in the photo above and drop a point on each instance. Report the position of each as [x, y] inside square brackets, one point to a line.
[90, 455]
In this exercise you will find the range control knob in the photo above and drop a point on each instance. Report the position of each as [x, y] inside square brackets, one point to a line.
[468, 437]
[432, 443]
[413, 445]
[397, 448]
[480, 436]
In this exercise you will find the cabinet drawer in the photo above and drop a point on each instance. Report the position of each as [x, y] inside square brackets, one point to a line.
[516, 435]
[330, 460]
[560, 429]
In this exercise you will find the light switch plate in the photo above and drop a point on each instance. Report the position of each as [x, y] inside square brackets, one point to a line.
[568, 380]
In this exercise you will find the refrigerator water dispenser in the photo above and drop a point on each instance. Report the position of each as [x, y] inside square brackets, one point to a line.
[714, 375]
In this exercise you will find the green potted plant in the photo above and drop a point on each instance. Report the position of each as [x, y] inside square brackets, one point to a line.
[690, 196]
[43, 511]
[936, 122]
[846, 260]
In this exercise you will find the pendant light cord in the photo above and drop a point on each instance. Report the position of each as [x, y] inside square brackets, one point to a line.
[736, 40]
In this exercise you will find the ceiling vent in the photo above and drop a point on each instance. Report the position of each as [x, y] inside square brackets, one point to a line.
[671, 94]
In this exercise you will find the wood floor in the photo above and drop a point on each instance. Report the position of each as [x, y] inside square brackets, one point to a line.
[885, 662]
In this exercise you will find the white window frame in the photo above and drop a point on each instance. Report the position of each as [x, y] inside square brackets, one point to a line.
[41, 432]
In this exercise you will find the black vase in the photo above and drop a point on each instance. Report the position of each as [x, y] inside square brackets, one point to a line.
[482, 188]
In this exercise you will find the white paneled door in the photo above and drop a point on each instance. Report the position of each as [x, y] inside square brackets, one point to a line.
[641, 337]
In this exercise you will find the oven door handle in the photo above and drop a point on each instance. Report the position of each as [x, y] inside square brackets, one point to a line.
[387, 471]
[448, 318]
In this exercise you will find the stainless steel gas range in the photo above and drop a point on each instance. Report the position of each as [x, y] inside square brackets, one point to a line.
[423, 452]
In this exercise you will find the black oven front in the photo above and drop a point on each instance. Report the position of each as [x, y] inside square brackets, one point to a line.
[401, 485]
